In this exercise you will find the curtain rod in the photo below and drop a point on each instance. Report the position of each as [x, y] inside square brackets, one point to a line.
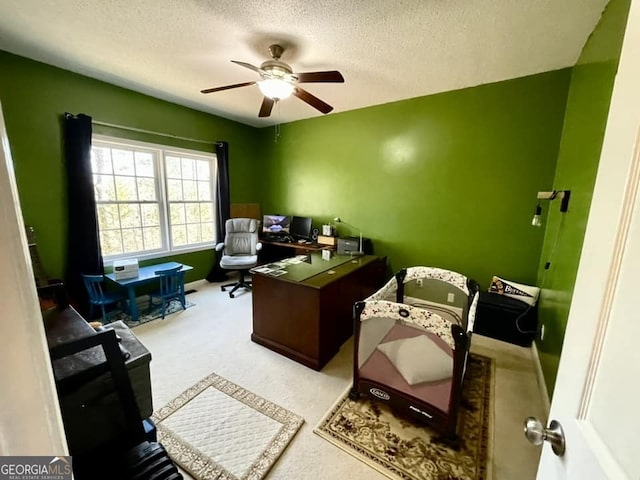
[151, 132]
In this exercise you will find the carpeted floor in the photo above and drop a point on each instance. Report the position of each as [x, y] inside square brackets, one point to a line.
[214, 336]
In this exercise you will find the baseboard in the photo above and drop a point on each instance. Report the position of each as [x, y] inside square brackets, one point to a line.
[542, 384]
[195, 285]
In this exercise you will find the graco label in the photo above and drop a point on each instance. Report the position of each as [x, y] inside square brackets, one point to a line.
[379, 393]
[35, 468]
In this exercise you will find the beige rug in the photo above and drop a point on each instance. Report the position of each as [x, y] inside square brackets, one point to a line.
[218, 430]
[401, 449]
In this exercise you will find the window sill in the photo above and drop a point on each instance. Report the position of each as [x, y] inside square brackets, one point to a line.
[141, 257]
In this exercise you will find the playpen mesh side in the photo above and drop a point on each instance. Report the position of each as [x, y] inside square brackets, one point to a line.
[430, 287]
[453, 278]
[386, 292]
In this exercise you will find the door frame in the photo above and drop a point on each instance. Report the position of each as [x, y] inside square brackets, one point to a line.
[614, 198]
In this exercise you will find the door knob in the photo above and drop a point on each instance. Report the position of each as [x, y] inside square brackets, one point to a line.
[536, 433]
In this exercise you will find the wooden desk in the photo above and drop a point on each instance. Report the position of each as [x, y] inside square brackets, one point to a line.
[306, 314]
[145, 275]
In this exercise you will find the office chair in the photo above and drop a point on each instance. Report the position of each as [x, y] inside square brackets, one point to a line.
[171, 288]
[239, 250]
[99, 297]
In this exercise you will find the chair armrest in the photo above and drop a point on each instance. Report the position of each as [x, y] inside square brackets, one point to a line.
[219, 246]
[258, 246]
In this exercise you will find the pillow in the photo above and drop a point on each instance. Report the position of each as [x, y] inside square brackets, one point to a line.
[418, 359]
[525, 293]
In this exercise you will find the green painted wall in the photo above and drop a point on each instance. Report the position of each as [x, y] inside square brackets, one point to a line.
[34, 97]
[445, 180]
[585, 120]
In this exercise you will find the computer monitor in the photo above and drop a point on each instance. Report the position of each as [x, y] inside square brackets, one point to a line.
[276, 224]
[301, 228]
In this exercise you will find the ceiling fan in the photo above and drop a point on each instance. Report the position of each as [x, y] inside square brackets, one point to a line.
[277, 81]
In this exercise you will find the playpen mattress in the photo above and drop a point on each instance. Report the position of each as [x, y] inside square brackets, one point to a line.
[379, 369]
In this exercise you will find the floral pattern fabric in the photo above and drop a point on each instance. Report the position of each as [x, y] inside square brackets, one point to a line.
[388, 291]
[408, 315]
[453, 278]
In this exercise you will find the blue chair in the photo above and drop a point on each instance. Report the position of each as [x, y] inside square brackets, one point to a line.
[171, 288]
[99, 297]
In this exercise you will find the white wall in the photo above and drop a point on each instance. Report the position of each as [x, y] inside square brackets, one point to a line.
[30, 422]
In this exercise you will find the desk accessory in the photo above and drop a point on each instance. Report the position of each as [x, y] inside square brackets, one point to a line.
[359, 251]
[354, 247]
[324, 240]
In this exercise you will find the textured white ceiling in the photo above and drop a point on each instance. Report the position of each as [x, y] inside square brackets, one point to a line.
[386, 50]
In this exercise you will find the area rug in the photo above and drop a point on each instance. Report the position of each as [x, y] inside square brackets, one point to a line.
[147, 315]
[218, 430]
[402, 449]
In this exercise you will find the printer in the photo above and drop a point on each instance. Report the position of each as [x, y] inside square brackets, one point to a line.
[351, 246]
[125, 268]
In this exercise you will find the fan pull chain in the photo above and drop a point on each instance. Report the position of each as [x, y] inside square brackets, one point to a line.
[276, 128]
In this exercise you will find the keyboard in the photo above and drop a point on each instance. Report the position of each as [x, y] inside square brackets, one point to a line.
[274, 238]
[283, 239]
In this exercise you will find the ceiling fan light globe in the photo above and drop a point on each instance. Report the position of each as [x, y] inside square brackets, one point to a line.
[275, 89]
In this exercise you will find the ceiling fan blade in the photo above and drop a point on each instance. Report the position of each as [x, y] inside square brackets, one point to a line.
[265, 108]
[315, 102]
[226, 87]
[331, 76]
[249, 66]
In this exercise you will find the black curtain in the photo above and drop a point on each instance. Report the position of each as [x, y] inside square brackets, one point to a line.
[83, 242]
[223, 212]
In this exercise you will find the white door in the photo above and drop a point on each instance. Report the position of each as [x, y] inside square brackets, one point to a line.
[597, 392]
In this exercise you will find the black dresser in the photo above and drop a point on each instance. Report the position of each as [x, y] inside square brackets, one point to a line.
[505, 318]
[91, 409]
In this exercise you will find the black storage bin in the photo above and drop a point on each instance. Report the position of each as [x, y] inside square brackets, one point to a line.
[505, 318]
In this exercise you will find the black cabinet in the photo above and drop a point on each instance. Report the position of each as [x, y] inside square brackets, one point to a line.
[91, 407]
[505, 318]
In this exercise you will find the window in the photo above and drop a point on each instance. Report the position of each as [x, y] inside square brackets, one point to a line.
[152, 200]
